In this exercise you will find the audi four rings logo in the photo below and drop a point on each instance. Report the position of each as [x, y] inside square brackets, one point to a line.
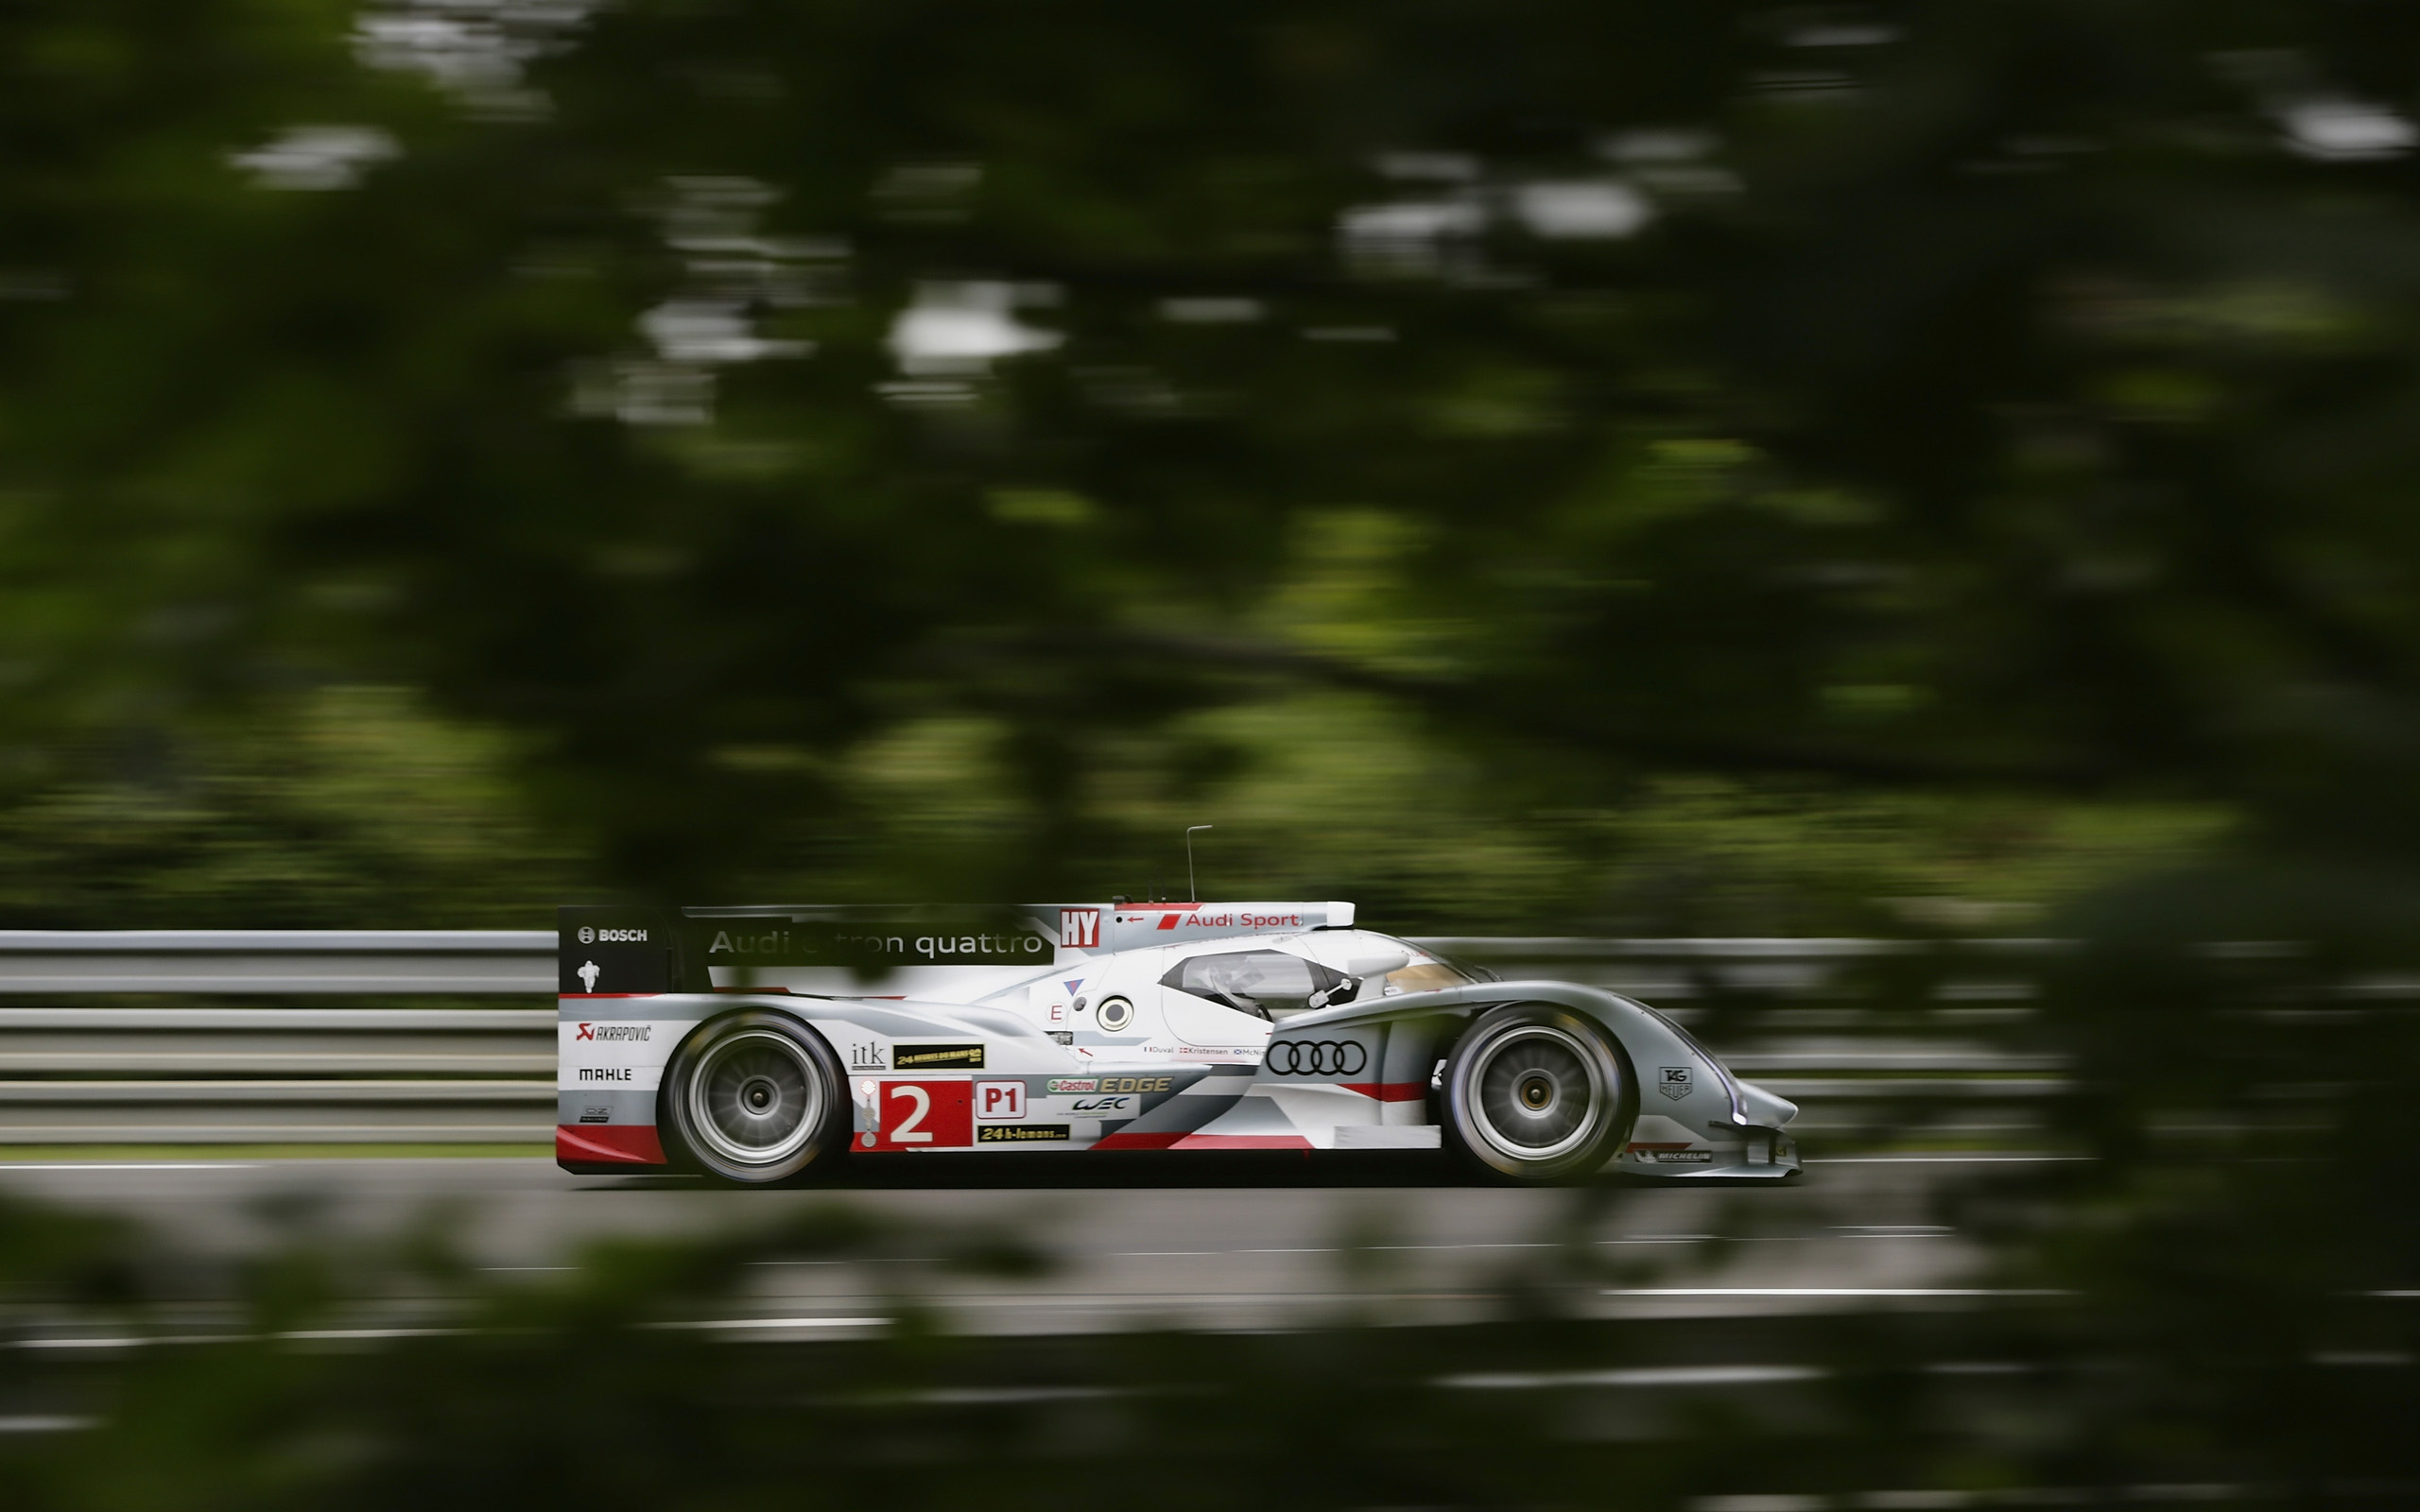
[1317, 1057]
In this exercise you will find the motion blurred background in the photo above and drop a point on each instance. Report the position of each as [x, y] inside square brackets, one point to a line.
[1908, 472]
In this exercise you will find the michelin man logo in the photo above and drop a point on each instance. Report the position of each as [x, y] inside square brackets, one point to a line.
[588, 975]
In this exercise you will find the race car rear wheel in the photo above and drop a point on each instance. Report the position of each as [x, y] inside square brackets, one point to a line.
[756, 1098]
[1535, 1094]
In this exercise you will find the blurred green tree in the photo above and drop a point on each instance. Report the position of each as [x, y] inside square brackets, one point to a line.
[917, 445]
[1927, 394]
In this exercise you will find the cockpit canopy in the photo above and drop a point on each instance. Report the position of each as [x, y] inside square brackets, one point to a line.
[1272, 982]
[1268, 983]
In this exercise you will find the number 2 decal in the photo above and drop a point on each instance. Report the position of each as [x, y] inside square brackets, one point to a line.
[925, 1115]
[908, 1131]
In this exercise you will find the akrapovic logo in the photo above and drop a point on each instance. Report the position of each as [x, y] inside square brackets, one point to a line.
[610, 1033]
[611, 936]
[1317, 1057]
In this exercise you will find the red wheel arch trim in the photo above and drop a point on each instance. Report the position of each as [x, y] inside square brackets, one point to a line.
[1389, 1091]
[609, 1143]
[1150, 1140]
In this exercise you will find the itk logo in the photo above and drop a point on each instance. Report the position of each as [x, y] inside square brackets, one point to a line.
[1079, 928]
[587, 1031]
[588, 975]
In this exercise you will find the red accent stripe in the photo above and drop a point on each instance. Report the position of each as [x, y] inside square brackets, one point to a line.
[1682, 1144]
[570, 996]
[1242, 1141]
[1389, 1091]
[1155, 1140]
[617, 1144]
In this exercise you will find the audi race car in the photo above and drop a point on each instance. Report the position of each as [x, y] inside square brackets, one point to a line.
[751, 1045]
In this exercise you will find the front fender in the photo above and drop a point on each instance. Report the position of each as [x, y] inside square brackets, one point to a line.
[1681, 1079]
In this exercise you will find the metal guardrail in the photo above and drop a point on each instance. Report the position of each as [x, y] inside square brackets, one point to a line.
[169, 1071]
[321, 962]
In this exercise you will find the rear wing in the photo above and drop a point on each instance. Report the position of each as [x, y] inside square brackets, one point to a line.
[610, 951]
[622, 951]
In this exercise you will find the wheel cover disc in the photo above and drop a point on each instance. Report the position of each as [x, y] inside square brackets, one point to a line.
[754, 1098]
[1537, 1092]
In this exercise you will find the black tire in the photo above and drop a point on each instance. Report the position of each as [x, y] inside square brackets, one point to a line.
[755, 1098]
[1538, 1094]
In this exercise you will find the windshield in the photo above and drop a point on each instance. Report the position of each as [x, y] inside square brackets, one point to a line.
[1260, 982]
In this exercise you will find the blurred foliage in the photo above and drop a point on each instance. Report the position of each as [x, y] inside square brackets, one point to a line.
[1570, 465]
[331, 1372]
[345, 807]
[706, 394]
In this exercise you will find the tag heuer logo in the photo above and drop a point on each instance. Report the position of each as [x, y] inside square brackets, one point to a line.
[1675, 1082]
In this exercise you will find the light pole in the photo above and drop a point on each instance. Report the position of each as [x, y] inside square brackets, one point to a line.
[1192, 889]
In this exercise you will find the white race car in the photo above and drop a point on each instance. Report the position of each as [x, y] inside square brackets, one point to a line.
[753, 1045]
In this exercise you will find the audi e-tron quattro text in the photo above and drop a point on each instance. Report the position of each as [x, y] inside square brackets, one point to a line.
[752, 1044]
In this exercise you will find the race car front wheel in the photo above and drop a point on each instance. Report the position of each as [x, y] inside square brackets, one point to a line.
[1535, 1094]
[756, 1098]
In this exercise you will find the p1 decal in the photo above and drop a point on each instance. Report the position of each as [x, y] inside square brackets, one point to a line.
[999, 1101]
[925, 1115]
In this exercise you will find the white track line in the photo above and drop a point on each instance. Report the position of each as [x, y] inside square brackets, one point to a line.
[1833, 1291]
[781, 1323]
[148, 1165]
[1941, 1160]
[1687, 1375]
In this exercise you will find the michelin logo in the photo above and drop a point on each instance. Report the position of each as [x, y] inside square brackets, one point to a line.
[588, 975]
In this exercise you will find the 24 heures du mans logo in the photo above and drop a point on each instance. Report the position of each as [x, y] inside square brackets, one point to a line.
[936, 1057]
[608, 1033]
[1317, 1057]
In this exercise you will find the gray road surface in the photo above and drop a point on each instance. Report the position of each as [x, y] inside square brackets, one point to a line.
[1253, 1246]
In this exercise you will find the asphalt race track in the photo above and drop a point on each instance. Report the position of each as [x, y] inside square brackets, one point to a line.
[1256, 1243]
